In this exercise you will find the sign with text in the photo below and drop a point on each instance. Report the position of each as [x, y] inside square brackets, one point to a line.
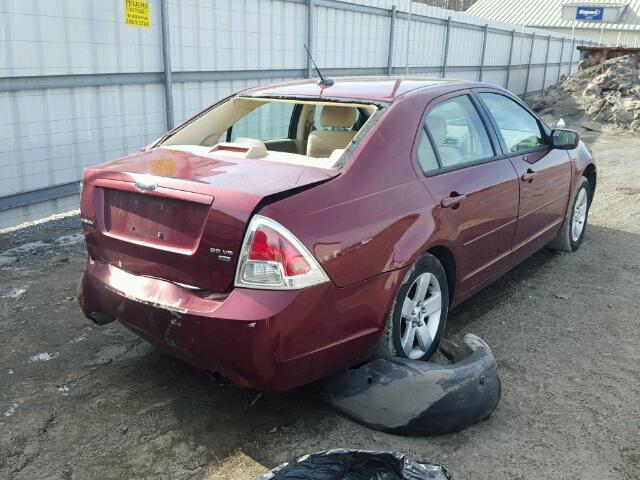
[589, 13]
[136, 13]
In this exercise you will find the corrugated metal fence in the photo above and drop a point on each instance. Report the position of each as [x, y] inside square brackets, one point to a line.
[78, 86]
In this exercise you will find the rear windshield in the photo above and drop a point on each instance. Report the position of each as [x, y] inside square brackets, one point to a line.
[311, 133]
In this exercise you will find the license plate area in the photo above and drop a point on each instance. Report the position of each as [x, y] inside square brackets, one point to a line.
[152, 220]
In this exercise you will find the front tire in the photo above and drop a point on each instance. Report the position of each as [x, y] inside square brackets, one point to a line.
[418, 315]
[570, 236]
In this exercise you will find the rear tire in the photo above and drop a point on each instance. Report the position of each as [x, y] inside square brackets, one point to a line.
[418, 315]
[570, 236]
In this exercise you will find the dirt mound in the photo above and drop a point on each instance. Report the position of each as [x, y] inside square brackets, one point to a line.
[608, 93]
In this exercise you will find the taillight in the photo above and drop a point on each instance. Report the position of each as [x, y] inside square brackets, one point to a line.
[272, 258]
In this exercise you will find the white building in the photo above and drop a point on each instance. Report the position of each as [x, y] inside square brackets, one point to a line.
[610, 22]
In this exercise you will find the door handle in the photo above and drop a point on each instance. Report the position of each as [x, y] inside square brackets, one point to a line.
[529, 175]
[453, 200]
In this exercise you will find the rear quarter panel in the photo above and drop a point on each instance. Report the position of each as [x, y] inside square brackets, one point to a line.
[376, 216]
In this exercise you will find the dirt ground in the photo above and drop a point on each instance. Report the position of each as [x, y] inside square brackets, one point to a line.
[80, 401]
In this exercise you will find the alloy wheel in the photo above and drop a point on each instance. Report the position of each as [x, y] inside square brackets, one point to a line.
[579, 215]
[421, 311]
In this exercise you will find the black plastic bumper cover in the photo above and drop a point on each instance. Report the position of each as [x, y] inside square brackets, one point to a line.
[410, 397]
[342, 464]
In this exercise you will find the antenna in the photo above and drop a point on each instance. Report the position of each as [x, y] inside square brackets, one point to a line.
[323, 82]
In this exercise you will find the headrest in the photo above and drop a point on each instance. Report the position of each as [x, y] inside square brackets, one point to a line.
[438, 128]
[333, 116]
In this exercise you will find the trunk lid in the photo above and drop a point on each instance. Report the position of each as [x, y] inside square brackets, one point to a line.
[179, 215]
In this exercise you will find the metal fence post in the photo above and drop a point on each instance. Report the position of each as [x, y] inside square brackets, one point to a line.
[560, 63]
[309, 36]
[392, 36]
[573, 52]
[166, 62]
[526, 81]
[446, 47]
[513, 36]
[546, 62]
[484, 49]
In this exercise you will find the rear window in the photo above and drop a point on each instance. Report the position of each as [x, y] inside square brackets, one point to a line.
[303, 132]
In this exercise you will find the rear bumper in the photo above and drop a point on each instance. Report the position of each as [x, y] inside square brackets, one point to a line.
[272, 340]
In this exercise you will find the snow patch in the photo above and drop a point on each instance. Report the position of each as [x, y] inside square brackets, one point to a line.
[110, 332]
[78, 339]
[63, 389]
[27, 247]
[10, 372]
[43, 357]
[56, 216]
[15, 293]
[11, 410]
[67, 240]
[8, 256]
[4, 260]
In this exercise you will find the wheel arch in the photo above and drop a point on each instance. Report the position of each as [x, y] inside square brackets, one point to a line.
[448, 261]
[590, 173]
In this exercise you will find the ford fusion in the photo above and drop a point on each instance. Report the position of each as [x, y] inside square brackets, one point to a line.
[294, 230]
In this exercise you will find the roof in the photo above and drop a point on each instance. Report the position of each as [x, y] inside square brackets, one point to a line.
[548, 13]
[376, 89]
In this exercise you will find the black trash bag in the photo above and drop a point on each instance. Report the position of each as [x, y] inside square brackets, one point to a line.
[342, 464]
[411, 397]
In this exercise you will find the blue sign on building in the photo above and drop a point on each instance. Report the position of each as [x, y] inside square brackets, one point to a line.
[589, 13]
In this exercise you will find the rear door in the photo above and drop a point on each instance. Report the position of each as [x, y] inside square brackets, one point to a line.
[475, 189]
[544, 173]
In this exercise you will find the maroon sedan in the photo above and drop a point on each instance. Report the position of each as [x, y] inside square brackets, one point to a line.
[294, 230]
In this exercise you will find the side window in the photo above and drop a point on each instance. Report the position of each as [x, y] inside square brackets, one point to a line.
[519, 129]
[426, 156]
[267, 122]
[458, 133]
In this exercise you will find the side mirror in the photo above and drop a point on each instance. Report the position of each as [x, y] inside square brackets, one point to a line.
[564, 139]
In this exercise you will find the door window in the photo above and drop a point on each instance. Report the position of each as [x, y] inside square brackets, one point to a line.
[426, 155]
[458, 134]
[519, 129]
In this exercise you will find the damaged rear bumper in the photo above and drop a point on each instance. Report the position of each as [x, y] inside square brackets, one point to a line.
[188, 326]
[271, 340]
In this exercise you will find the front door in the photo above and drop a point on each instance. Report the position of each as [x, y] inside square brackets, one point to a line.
[544, 173]
[476, 191]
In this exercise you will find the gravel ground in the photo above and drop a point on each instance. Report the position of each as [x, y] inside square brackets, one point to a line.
[80, 401]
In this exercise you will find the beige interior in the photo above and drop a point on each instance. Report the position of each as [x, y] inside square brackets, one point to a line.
[315, 145]
[281, 157]
[321, 143]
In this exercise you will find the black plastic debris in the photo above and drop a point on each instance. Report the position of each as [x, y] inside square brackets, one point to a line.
[343, 464]
[410, 397]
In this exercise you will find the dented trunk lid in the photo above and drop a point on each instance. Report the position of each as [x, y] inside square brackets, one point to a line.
[179, 215]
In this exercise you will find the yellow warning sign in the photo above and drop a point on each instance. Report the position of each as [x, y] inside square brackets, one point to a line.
[136, 13]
